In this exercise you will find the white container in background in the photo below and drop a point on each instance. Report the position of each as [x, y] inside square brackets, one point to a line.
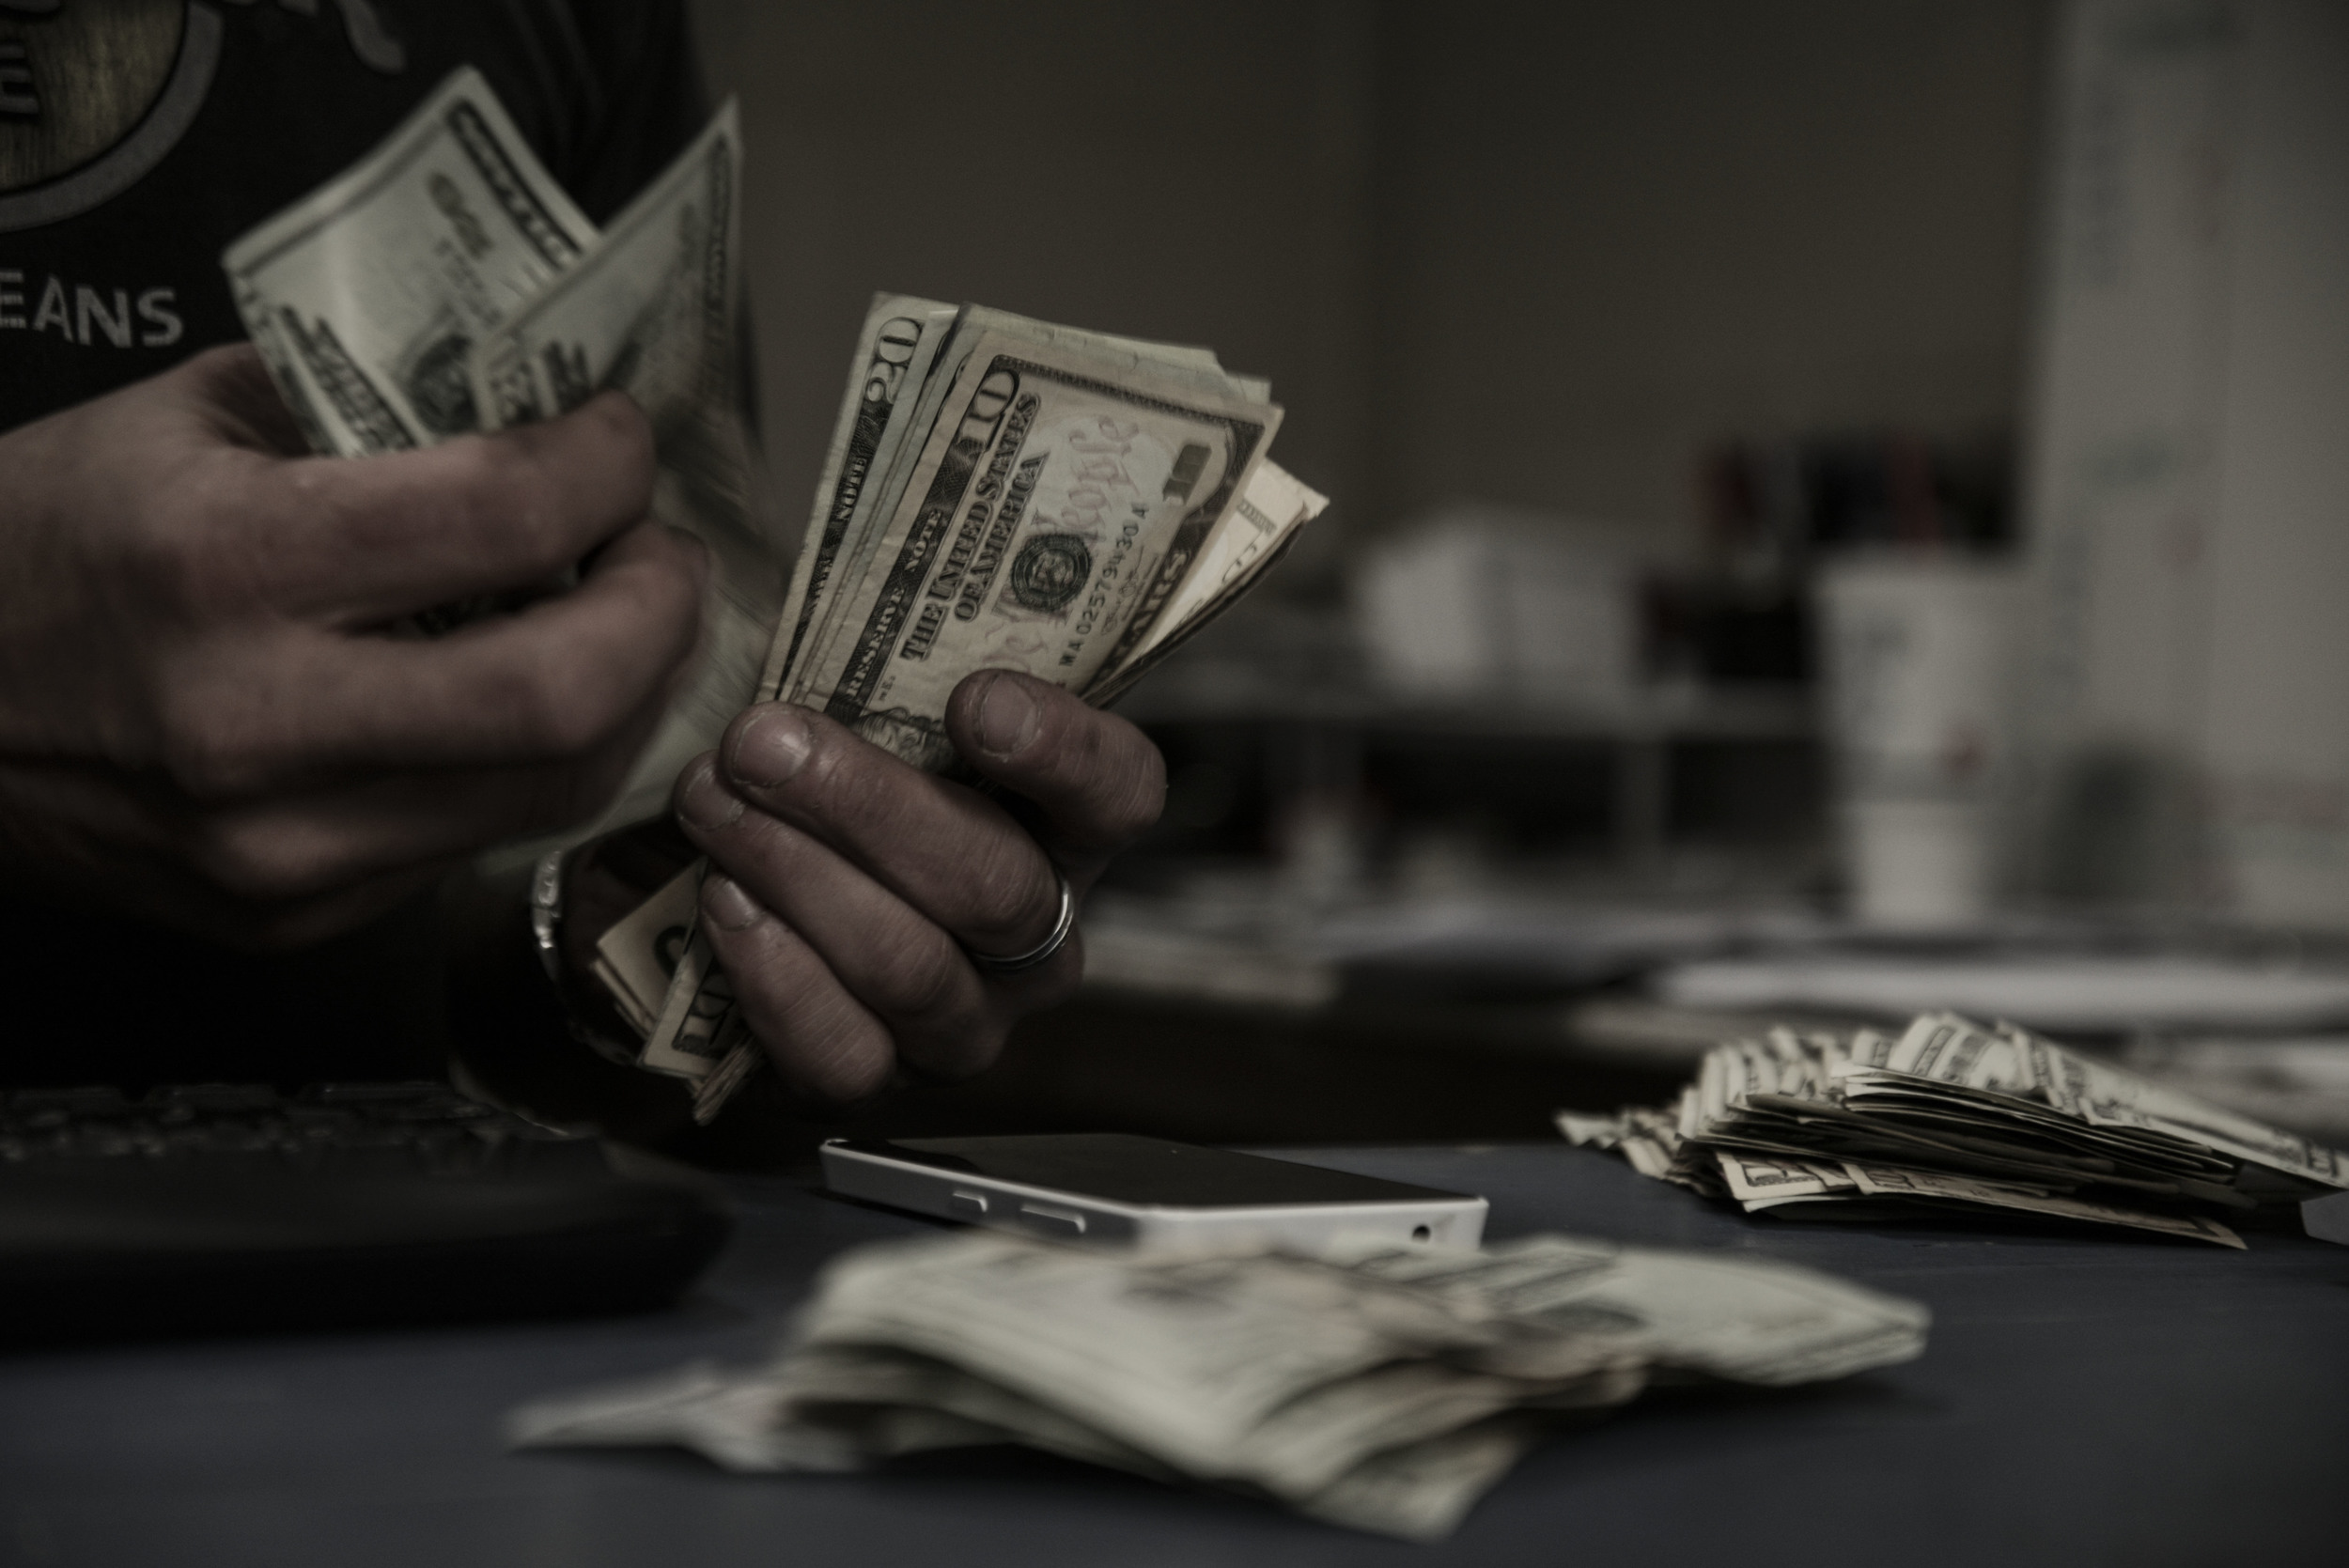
[1919, 663]
[1484, 602]
[1917, 864]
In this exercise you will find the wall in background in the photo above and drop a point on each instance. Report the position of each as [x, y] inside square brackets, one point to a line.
[1185, 172]
[1538, 253]
[2187, 495]
[1618, 232]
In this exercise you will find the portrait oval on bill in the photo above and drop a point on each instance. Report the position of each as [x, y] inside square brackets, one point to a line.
[1050, 571]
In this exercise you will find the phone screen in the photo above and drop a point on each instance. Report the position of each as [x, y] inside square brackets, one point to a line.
[1127, 1169]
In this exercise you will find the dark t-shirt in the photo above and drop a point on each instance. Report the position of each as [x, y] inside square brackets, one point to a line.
[274, 102]
[137, 139]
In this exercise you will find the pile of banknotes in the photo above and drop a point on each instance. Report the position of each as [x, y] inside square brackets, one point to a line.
[1948, 1114]
[1380, 1387]
[999, 493]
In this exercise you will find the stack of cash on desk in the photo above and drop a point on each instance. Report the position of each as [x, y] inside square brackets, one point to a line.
[1951, 1113]
[1380, 1386]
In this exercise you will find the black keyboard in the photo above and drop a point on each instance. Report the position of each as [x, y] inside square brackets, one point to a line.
[229, 1207]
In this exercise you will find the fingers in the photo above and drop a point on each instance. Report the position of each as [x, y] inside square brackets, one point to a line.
[951, 854]
[831, 851]
[308, 845]
[820, 1037]
[1098, 780]
[366, 542]
[555, 683]
[900, 965]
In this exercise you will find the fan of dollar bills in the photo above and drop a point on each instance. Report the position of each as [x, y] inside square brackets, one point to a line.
[1951, 1114]
[1377, 1386]
[445, 285]
[999, 492]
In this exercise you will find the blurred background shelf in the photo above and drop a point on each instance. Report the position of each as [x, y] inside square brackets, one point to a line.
[1616, 332]
[1206, 692]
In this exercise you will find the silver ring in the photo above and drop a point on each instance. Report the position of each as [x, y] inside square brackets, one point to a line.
[1041, 951]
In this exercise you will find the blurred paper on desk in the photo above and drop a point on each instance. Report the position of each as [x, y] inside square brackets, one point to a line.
[1380, 1386]
[1538, 942]
[1918, 671]
[2299, 1081]
[2084, 993]
[1231, 939]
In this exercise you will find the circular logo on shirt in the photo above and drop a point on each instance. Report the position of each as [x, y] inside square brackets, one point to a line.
[93, 93]
[76, 77]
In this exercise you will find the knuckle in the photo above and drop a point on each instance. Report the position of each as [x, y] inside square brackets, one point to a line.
[556, 707]
[1009, 893]
[921, 977]
[497, 491]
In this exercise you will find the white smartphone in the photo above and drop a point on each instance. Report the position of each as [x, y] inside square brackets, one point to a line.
[1145, 1191]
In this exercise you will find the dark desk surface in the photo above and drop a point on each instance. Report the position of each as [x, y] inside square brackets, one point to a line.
[2084, 1401]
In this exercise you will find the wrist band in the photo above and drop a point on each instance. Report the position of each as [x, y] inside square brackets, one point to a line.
[1063, 924]
[546, 925]
[546, 912]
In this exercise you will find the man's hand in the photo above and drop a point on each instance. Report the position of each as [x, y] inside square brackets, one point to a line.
[847, 889]
[203, 718]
